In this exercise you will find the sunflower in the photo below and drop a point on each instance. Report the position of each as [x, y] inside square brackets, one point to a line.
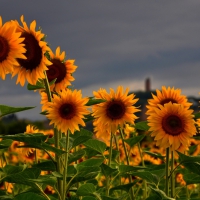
[167, 95]
[33, 67]
[117, 110]
[11, 47]
[172, 125]
[67, 110]
[61, 70]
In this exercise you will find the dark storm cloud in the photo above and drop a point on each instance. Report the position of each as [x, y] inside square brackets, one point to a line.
[115, 42]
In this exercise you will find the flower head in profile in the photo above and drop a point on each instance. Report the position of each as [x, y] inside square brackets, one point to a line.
[32, 68]
[61, 70]
[172, 125]
[117, 109]
[164, 96]
[11, 48]
[67, 110]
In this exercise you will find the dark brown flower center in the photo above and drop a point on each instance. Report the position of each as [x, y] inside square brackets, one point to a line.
[56, 71]
[172, 125]
[4, 49]
[67, 111]
[33, 52]
[115, 110]
[167, 100]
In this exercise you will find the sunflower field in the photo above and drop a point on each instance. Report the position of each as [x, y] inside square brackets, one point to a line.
[120, 158]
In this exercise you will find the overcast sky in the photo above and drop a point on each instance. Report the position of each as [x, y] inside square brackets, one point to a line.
[114, 42]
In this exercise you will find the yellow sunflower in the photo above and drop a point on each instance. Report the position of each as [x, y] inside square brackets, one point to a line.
[11, 47]
[33, 67]
[172, 125]
[166, 95]
[116, 111]
[67, 110]
[61, 70]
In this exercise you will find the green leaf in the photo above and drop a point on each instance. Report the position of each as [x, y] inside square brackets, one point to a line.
[80, 140]
[108, 198]
[47, 165]
[91, 162]
[142, 126]
[90, 152]
[154, 154]
[89, 198]
[96, 145]
[197, 115]
[86, 173]
[183, 158]
[125, 187]
[24, 176]
[28, 196]
[161, 194]
[45, 179]
[4, 144]
[148, 176]
[12, 169]
[87, 189]
[45, 146]
[191, 178]
[5, 110]
[76, 156]
[134, 140]
[26, 138]
[193, 167]
[106, 170]
[93, 101]
[128, 168]
[39, 85]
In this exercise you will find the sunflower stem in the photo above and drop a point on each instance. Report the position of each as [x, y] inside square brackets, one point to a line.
[127, 160]
[109, 164]
[47, 87]
[167, 172]
[172, 175]
[66, 165]
[144, 181]
[56, 134]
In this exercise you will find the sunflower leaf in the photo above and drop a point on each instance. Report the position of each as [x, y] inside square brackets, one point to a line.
[86, 190]
[161, 194]
[93, 101]
[4, 144]
[142, 126]
[27, 138]
[96, 145]
[189, 159]
[27, 195]
[134, 140]
[6, 110]
[39, 85]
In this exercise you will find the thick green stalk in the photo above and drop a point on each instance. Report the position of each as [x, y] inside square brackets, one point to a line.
[66, 165]
[109, 164]
[144, 181]
[167, 172]
[56, 134]
[127, 160]
[172, 175]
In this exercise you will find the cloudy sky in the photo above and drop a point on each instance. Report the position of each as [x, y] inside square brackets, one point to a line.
[114, 43]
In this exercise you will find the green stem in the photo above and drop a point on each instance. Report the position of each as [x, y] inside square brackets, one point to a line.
[56, 133]
[172, 175]
[47, 87]
[109, 164]
[65, 167]
[167, 172]
[144, 181]
[127, 160]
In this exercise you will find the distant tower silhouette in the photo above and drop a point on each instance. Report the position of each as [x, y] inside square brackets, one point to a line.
[147, 85]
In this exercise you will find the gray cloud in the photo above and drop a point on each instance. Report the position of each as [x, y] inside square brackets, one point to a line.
[115, 43]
